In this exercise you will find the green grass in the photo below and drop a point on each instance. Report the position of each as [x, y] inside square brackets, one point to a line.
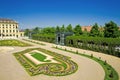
[39, 57]
[13, 42]
[107, 68]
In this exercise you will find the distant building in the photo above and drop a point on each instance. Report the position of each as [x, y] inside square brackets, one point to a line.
[9, 29]
[86, 28]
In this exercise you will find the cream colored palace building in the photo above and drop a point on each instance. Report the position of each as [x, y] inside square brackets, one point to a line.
[10, 29]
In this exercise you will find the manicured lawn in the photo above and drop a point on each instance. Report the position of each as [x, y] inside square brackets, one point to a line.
[13, 42]
[39, 57]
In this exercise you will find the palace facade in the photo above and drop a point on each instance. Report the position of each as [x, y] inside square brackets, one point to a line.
[9, 29]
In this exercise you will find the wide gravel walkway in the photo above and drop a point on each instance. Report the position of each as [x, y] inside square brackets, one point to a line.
[11, 69]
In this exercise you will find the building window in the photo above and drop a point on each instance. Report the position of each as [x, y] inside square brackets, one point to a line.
[3, 30]
[21, 34]
[10, 30]
[6, 31]
[3, 35]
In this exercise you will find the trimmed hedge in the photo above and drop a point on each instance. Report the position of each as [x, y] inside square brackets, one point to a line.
[44, 37]
[99, 44]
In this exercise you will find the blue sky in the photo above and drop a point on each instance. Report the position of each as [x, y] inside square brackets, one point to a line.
[43, 13]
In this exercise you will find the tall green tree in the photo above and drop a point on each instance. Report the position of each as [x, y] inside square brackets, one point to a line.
[48, 30]
[111, 30]
[57, 29]
[52, 30]
[85, 32]
[69, 28]
[62, 29]
[27, 31]
[95, 30]
[36, 30]
[78, 30]
[101, 29]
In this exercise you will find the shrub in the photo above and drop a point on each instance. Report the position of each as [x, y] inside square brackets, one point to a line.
[44, 37]
[99, 44]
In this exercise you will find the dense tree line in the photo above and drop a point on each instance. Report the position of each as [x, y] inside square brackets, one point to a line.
[109, 30]
[52, 30]
[103, 39]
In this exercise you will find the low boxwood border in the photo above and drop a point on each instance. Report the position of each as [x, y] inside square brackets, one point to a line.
[64, 60]
[36, 42]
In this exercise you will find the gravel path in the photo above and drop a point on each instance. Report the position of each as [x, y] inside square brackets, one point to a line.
[11, 69]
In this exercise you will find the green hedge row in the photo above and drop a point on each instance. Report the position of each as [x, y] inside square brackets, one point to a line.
[99, 44]
[44, 37]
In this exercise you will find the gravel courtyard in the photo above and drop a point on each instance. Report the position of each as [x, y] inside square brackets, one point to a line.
[11, 69]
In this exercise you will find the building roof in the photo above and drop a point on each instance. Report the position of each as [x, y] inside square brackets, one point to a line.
[87, 28]
[5, 20]
[22, 30]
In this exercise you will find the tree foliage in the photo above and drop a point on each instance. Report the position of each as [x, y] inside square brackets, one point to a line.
[57, 29]
[69, 28]
[77, 30]
[36, 30]
[102, 39]
[27, 31]
[62, 29]
[48, 30]
[111, 30]
[95, 30]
